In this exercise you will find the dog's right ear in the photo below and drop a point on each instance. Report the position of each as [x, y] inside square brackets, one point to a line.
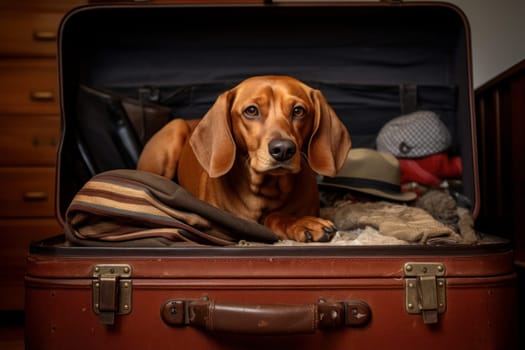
[212, 140]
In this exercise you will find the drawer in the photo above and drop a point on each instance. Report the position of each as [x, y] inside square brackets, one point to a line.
[27, 192]
[16, 236]
[29, 87]
[39, 5]
[29, 33]
[29, 140]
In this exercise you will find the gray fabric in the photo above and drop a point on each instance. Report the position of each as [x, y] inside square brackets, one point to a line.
[413, 135]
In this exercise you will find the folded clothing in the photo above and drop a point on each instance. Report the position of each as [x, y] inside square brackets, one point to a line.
[406, 223]
[137, 208]
[431, 170]
[444, 208]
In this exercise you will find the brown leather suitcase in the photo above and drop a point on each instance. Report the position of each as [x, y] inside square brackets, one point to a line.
[372, 61]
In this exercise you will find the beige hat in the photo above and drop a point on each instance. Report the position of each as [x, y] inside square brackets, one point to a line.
[369, 171]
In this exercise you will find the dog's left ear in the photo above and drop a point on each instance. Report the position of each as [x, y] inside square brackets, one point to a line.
[330, 141]
[212, 140]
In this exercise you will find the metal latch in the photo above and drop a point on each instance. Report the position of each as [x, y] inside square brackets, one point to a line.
[425, 290]
[111, 291]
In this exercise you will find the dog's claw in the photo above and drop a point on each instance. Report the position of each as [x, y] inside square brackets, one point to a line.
[308, 235]
[329, 230]
[328, 234]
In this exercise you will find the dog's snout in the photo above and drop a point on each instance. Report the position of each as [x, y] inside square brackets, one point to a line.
[281, 149]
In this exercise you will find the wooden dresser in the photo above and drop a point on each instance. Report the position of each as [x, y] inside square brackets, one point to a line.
[29, 127]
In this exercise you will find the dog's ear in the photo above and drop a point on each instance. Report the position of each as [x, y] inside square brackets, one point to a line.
[330, 141]
[212, 140]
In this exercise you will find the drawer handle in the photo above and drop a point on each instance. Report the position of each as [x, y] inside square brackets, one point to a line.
[35, 196]
[42, 141]
[265, 319]
[42, 96]
[44, 35]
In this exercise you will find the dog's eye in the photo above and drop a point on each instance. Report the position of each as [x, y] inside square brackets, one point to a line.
[251, 112]
[298, 112]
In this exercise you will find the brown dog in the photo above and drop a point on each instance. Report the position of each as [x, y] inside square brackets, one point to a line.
[254, 154]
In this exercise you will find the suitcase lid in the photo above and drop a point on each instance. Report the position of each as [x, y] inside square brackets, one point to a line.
[372, 61]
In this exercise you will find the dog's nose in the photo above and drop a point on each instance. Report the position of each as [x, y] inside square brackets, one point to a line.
[281, 149]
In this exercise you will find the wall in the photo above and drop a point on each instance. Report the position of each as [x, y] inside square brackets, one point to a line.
[498, 35]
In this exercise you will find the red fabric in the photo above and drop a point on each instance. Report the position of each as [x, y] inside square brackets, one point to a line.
[431, 170]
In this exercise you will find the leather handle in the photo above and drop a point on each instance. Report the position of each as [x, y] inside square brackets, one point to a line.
[265, 319]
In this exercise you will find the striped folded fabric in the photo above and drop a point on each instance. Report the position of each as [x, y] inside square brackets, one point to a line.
[135, 208]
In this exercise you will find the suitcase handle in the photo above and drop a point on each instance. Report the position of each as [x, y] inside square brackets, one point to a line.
[265, 319]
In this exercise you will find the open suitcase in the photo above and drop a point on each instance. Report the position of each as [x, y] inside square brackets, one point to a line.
[371, 60]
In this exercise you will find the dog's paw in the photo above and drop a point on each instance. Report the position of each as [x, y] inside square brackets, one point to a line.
[300, 228]
[311, 229]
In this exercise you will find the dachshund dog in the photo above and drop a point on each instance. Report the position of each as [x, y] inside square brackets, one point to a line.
[254, 154]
